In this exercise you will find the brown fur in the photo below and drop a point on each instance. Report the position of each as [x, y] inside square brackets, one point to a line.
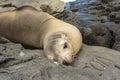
[60, 40]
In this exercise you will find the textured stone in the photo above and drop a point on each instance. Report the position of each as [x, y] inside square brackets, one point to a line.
[46, 5]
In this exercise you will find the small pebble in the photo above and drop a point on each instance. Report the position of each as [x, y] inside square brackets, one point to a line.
[22, 53]
[56, 63]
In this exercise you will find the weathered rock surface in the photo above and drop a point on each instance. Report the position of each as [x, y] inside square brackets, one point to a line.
[69, 17]
[115, 33]
[101, 61]
[97, 21]
[91, 63]
[46, 5]
[96, 34]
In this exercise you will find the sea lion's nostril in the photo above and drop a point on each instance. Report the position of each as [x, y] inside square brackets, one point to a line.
[65, 63]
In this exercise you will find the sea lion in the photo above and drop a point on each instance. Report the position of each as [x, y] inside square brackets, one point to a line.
[61, 41]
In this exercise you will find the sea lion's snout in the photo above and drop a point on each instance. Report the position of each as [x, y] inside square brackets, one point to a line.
[65, 63]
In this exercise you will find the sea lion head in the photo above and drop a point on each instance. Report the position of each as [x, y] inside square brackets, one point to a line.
[57, 47]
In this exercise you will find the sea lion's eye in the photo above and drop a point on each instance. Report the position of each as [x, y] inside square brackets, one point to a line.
[65, 45]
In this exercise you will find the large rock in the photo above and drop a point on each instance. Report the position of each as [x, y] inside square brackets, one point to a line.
[92, 63]
[96, 34]
[45, 5]
[101, 61]
[69, 17]
[117, 40]
[115, 33]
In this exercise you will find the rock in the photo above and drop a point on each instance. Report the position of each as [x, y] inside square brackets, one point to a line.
[92, 63]
[114, 7]
[99, 12]
[105, 1]
[80, 4]
[101, 61]
[116, 45]
[14, 53]
[4, 40]
[98, 7]
[95, 11]
[46, 5]
[6, 9]
[17, 63]
[104, 19]
[89, 18]
[69, 17]
[115, 33]
[96, 34]
[114, 16]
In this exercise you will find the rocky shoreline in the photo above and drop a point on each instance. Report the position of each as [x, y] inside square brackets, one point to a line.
[99, 58]
[98, 22]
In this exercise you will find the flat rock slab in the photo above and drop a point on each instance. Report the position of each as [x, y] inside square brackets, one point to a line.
[102, 61]
[91, 63]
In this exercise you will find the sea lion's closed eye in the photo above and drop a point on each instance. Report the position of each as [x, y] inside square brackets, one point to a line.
[65, 45]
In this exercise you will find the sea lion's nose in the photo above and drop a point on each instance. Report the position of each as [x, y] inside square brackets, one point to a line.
[65, 63]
